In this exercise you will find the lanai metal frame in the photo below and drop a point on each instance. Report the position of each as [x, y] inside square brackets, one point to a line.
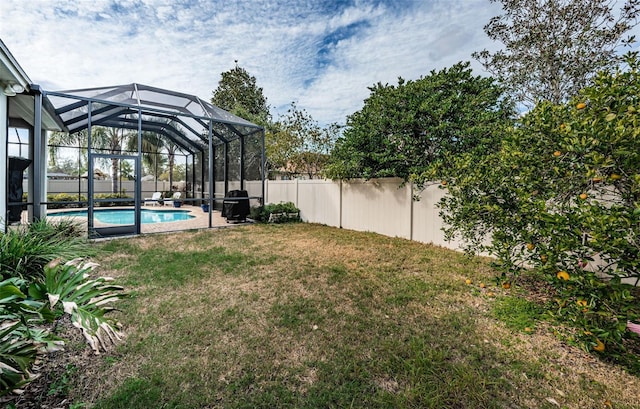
[194, 125]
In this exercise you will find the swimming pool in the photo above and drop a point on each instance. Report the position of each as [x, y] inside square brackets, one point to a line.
[126, 216]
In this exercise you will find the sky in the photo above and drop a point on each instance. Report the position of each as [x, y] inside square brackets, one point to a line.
[321, 54]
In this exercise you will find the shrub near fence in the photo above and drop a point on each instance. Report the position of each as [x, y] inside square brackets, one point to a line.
[66, 197]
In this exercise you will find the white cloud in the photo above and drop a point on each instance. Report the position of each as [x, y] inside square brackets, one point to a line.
[184, 46]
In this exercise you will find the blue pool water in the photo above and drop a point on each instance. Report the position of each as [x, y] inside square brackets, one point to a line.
[126, 216]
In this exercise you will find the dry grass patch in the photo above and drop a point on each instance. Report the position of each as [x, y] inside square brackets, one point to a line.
[311, 316]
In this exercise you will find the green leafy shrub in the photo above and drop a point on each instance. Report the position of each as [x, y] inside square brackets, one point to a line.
[403, 130]
[282, 213]
[18, 349]
[69, 289]
[65, 197]
[34, 291]
[113, 196]
[25, 251]
[259, 214]
[561, 195]
[25, 306]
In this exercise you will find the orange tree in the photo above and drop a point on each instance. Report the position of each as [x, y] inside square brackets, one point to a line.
[561, 195]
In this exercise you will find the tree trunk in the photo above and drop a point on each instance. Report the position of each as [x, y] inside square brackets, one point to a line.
[114, 175]
[171, 162]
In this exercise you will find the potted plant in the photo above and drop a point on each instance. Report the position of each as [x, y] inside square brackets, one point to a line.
[291, 211]
[177, 199]
[282, 212]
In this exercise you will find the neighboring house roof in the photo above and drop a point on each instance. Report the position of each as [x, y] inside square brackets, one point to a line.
[303, 167]
[60, 175]
[97, 174]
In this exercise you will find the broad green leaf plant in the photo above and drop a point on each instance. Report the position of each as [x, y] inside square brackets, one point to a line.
[69, 289]
[66, 288]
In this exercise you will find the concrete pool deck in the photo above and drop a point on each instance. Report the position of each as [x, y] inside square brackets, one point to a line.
[199, 221]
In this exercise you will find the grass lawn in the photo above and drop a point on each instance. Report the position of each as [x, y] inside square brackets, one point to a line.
[308, 316]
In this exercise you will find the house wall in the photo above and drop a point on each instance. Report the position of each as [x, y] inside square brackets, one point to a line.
[4, 122]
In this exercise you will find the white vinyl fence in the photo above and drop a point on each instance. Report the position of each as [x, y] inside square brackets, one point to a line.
[148, 187]
[378, 205]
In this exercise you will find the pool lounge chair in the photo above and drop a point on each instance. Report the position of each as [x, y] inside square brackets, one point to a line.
[155, 199]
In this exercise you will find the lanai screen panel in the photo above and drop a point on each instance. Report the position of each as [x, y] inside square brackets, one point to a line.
[118, 106]
[252, 164]
[186, 120]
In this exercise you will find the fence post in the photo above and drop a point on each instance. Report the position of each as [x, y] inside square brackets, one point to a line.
[340, 222]
[296, 187]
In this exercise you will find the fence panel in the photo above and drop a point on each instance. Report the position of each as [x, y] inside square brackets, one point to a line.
[379, 206]
[319, 201]
[427, 223]
[281, 191]
[104, 186]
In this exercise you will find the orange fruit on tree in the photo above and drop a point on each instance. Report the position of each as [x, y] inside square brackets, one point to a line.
[544, 258]
[583, 196]
[582, 303]
[563, 275]
[581, 105]
[599, 346]
[557, 153]
[468, 281]
[443, 183]
[530, 246]
[506, 285]
[482, 285]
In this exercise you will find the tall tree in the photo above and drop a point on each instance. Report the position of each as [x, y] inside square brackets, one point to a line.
[297, 144]
[102, 139]
[152, 151]
[552, 48]
[562, 191]
[112, 140]
[239, 94]
[59, 140]
[415, 128]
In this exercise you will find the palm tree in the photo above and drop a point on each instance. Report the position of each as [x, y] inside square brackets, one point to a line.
[112, 141]
[102, 139]
[171, 148]
[152, 145]
[58, 140]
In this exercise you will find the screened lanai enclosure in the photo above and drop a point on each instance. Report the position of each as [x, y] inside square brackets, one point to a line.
[146, 150]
